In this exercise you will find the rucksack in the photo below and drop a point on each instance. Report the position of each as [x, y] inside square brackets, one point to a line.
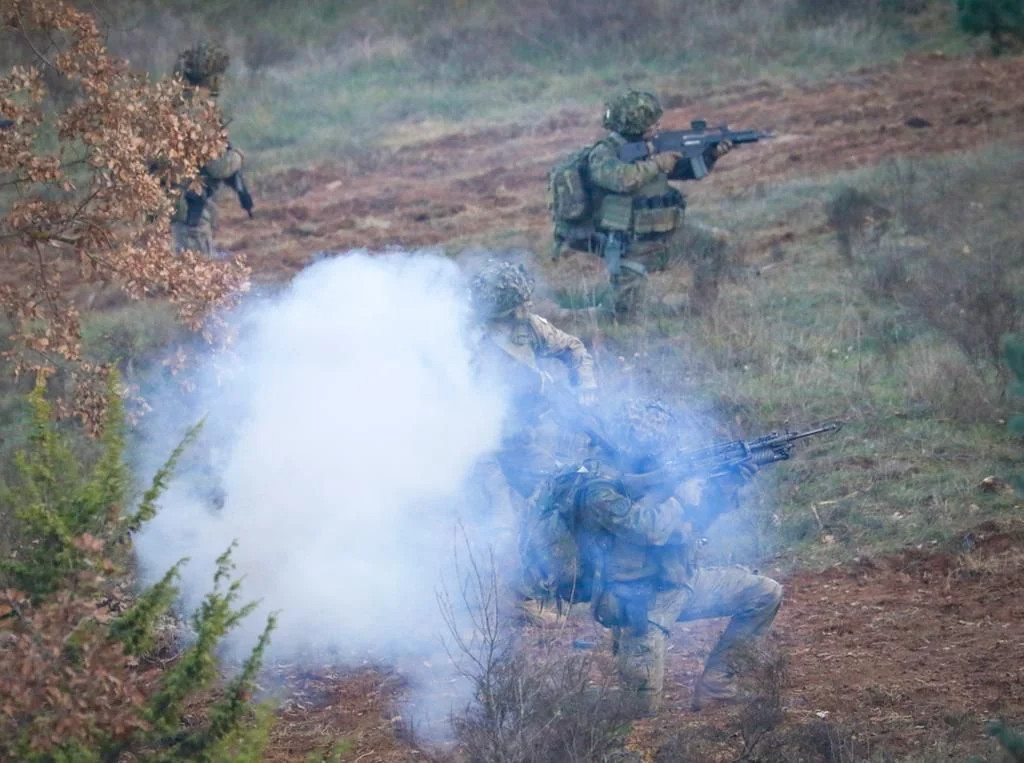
[569, 188]
[560, 555]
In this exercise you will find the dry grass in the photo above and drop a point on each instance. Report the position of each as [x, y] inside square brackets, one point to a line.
[326, 78]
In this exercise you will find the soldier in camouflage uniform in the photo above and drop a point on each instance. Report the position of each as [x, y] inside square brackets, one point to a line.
[637, 218]
[647, 574]
[511, 342]
[202, 67]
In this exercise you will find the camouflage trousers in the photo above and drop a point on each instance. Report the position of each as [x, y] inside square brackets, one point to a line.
[751, 601]
[198, 238]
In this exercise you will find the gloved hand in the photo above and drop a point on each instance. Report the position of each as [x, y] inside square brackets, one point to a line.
[746, 471]
[666, 161]
[722, 148]
[691, 492]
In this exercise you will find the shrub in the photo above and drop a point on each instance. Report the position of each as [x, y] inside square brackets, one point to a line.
[79, 684]
[1001, 20]
[1010, 740]
[970, 297]
[855, 216]
[60, 511]
[90, 167]
[539, 710]
[1013, 352]
[531, 706]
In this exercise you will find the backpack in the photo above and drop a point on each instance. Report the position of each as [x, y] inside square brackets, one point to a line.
[560, 557]
[569, 189]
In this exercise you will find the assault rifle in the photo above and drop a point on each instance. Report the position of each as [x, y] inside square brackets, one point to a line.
[720, 460]
[237, 183]
[693, 144]
[723, 458]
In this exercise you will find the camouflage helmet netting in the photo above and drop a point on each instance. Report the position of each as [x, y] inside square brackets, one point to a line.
[203, 64]
[633, 112]
[645, 425]
[500, 288]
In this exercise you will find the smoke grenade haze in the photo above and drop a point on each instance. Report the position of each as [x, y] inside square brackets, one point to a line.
[340, 436]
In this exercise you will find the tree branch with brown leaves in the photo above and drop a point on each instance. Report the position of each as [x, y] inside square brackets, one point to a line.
[88, 179]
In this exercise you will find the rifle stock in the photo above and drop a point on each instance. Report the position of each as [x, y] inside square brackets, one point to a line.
[237, 183]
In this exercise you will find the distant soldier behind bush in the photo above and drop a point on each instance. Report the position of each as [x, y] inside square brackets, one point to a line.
[202, 68]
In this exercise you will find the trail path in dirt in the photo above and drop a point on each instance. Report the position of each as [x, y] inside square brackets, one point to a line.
[905, 650]
[480, 180]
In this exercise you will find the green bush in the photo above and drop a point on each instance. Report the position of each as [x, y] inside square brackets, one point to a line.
[1002, 20]
[80, 683]
[1013, 353]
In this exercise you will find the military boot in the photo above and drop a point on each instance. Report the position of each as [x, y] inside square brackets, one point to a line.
[716, 687]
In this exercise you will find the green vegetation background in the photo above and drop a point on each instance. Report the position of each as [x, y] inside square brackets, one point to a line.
[825, 333]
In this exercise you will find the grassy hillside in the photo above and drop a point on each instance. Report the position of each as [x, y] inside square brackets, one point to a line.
[803, 329]
[878, 296]
[323, 78]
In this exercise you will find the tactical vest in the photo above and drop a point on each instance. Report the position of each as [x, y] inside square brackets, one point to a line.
[653, 210]
[580, 208]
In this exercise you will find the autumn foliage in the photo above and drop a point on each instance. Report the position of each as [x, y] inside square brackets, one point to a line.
[93, 157]
[84, 668]
[89, 170]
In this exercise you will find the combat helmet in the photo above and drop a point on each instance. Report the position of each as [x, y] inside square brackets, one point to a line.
[202, 65]
[631, 113]
[499, 288]
[644, 428]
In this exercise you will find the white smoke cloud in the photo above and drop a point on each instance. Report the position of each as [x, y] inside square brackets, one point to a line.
[341, 437]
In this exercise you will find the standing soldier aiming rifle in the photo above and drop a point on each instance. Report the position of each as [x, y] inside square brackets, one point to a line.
[614, 199]
[194, 219]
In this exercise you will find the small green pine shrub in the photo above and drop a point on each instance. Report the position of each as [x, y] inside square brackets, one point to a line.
[57, 503]
[79, 681]
[1011, 741]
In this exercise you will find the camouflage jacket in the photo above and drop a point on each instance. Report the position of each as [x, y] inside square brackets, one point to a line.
[632, 197]
[526, 338]
[212, 175]
[648, 541]
[612, 175]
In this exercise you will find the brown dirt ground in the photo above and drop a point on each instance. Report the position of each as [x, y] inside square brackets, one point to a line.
[904, 654]
[903, 651]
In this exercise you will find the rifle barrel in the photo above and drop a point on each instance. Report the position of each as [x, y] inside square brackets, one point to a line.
[832, 426]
